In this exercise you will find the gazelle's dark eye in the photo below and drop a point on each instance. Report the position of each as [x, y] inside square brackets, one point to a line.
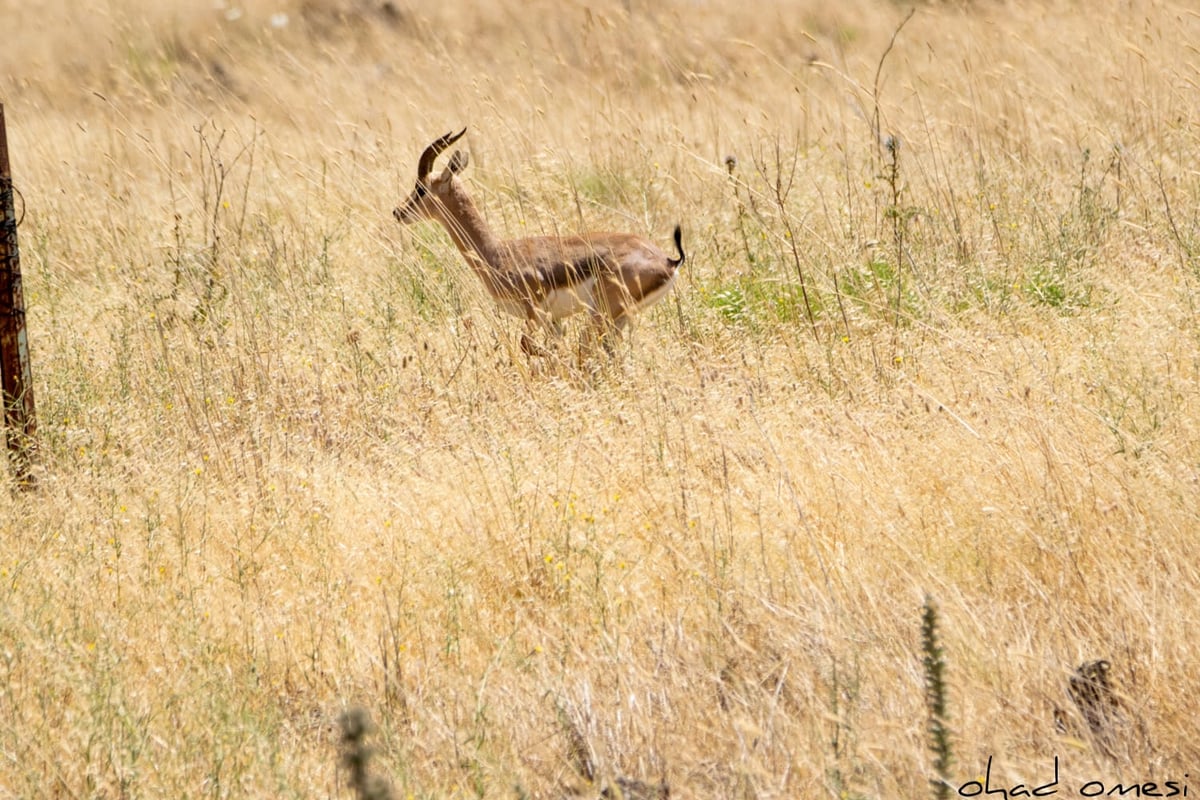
[421, 190]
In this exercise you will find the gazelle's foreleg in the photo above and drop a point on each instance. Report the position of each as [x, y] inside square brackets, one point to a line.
[535, 319]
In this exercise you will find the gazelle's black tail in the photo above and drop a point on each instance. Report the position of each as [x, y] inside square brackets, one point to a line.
[675, 262]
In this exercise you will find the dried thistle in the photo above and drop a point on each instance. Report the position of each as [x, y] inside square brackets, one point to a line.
[934, 662]
[356, 756]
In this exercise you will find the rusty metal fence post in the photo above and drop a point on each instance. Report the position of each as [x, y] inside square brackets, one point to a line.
[20, 422]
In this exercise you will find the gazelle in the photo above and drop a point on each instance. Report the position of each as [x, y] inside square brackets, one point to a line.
[543, 278]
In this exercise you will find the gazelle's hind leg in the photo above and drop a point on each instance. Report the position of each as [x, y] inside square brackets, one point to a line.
[609, 311]
[603, 332]
[616, 333]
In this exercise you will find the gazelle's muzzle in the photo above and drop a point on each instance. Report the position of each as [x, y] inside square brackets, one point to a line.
[409, 212]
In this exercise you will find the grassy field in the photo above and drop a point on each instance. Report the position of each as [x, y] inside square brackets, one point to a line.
[936, 341]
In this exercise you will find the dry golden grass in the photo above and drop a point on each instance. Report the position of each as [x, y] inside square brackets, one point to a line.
[293, 462]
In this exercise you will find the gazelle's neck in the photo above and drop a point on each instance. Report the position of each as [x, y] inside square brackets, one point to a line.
[471, 235]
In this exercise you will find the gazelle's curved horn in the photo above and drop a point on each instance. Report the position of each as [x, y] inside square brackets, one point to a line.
[425, 165]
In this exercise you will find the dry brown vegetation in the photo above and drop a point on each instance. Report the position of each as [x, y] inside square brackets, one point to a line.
[292, 461]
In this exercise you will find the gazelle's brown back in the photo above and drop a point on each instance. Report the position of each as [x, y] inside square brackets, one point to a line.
[628, 272]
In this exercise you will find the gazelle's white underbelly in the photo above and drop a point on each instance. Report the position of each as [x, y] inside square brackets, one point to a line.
[557, 303]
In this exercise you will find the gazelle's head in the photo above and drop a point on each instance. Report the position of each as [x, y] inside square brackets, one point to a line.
[428, 199]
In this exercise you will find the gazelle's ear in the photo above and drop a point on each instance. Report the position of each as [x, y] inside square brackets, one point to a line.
[458, 162]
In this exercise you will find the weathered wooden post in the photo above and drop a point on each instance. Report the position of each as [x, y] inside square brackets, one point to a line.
[20, 422]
